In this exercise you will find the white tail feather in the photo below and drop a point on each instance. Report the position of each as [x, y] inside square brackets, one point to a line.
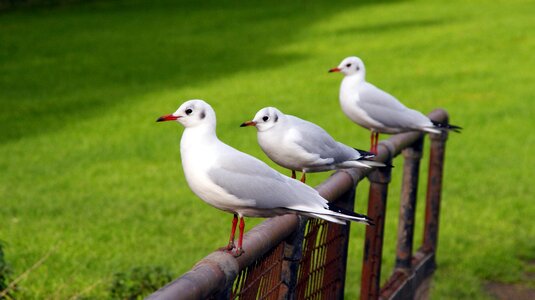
[328, 218]
[372, 163]
[353, 164]
[361, 164]
[350, 218]
[431, 130]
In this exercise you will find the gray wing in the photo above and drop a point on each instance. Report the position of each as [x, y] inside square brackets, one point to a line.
[386, 109]
[316, 140]
[251, 179]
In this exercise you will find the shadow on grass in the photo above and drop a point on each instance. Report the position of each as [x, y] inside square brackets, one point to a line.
[394, 26]
[64, 63]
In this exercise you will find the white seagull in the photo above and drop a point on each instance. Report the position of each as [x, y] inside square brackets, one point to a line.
[377, 110]
[299, 145]
[238, 183]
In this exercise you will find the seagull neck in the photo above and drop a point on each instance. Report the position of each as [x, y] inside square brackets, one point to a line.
[198, 135]
[353, 80]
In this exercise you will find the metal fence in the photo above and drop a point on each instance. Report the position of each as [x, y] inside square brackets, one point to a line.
[292, 257]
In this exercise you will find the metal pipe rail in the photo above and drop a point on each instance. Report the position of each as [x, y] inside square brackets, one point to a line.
[281, 252]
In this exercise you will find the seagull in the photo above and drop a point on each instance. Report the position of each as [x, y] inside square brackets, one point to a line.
[377, 110]
[240, 184]
[300, 145]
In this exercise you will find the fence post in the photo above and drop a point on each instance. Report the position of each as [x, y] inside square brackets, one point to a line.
[347, 201]
[322, 272]
[373, 245]
[434, 187]
[290, 264]
[409, 192]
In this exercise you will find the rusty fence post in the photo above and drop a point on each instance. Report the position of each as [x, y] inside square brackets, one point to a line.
[409, 192]
[373, 244]
[322, 269]
[347, 201]
[434, 187]
[290, 264]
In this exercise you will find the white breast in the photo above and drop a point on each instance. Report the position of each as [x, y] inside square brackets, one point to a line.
[197, 159]
[349, 98]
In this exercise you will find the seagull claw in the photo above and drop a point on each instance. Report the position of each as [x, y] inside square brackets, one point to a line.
[238, 252]
[233, 251]
[228, 248]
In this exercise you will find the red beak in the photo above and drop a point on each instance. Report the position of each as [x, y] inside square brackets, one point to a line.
[248, 123]
[334, 70]
[167, 118]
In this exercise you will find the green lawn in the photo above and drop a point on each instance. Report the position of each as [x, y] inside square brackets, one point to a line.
[85, 170]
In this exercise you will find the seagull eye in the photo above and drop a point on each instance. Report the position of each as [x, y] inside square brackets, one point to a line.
[188, 111]
[348, 65]
[265, 118]
[358, 68]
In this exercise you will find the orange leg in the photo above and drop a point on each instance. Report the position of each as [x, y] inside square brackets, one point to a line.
[293, 174]
[304, 177]
[374, 139]
[372, 136]
[239, 250]
[232, 233]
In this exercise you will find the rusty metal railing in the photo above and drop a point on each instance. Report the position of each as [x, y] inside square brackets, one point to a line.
[292, 257]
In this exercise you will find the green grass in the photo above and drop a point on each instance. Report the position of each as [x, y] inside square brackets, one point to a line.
[85, 169]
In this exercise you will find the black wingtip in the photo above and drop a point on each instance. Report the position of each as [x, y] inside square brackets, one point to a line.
[388, 165]
[455, 128]
[363, 218]
[446, 126]
[368, 155]
[365, 154]
[367, 220]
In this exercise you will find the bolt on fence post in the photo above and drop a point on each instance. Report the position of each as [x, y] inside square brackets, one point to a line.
[409, 192]
[373, 245]
[434, 187]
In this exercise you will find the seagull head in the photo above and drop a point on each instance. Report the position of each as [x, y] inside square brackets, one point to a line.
[192, 113]
[350, 66]
[265, 119]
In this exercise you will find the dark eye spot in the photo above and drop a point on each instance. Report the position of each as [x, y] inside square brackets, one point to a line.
[188, 111]
[203, 114]
[265, 118]
[358, 68]
[276, 118]
[348, 65]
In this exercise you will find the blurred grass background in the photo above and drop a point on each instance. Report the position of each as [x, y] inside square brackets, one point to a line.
[86, 171]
